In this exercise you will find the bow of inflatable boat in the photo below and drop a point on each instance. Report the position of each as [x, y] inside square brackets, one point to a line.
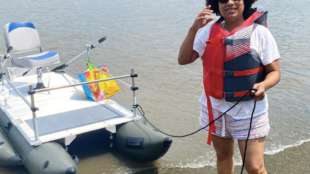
[141, 142]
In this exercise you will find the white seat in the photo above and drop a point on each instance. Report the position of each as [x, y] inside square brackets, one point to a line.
[23, 37]
[38, 60]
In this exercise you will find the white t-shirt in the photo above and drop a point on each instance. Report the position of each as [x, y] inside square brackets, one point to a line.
[264, 47]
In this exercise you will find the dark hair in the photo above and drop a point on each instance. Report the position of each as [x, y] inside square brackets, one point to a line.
[247, 7]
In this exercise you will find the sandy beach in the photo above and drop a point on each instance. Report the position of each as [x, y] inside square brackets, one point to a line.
[291, 161]
[294, 160]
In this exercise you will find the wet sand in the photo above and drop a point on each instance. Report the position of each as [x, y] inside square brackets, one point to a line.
[291, 161]
[294, 160]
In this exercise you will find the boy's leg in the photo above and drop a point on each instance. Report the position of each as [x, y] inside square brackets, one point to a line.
[254, 160]
[224, 148]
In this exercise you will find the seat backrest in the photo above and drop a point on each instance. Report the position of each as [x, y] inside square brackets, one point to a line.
[22, 36]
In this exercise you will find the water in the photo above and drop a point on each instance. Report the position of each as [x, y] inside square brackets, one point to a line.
[146, 35]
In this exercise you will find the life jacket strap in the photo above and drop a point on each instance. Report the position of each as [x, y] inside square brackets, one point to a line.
[218, 40]
[210, 113]
[227, 73]
[227, 41]
[235, 94]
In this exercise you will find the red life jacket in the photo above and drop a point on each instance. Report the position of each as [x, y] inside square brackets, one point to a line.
[229, 67]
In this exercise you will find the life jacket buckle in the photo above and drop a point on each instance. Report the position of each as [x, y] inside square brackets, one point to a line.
[228, 94]
[227, 73]
[223, 40]
[228, 41]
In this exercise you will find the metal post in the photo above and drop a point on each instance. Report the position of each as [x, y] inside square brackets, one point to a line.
[34, 117]
[39, 75]
[88, 49]
[134, 102]
[3, 84]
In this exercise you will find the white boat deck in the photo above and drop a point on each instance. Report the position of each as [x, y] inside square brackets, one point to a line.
[62, 113]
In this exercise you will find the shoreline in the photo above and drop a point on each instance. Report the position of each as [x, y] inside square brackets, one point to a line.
[290, 161]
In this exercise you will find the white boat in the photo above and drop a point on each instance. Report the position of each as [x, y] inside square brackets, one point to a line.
[38, 122]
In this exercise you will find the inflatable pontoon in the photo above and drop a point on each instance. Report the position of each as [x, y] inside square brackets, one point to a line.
[42, 113]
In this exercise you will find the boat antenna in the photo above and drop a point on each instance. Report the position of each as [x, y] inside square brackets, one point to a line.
[63, 66]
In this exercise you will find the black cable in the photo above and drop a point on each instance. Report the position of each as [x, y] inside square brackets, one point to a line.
[246, 142]
[181, 136]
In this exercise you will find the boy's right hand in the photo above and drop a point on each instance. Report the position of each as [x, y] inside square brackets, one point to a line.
[201, 19]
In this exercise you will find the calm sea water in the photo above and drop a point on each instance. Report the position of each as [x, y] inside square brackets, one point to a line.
[145, 35]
